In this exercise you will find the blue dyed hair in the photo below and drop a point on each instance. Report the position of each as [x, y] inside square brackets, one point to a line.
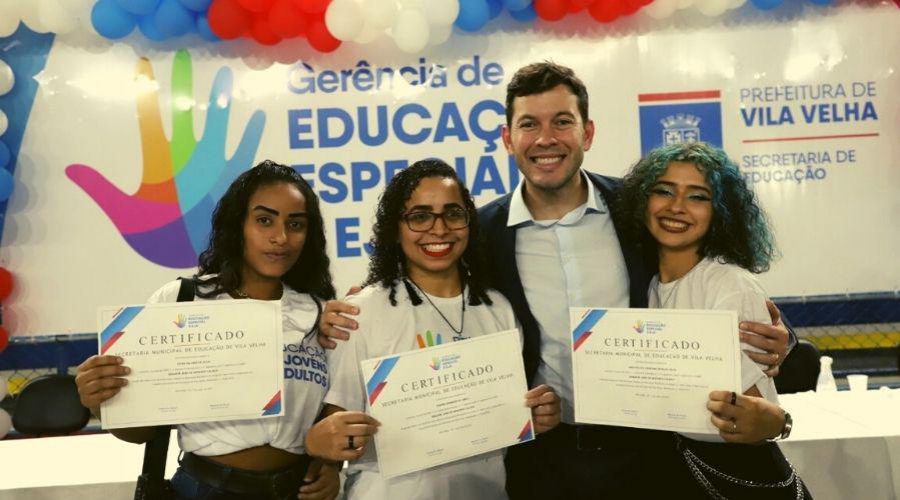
[738, 232]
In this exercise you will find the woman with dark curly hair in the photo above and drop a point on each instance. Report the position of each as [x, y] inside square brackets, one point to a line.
[690, 208]
[426, 286]
[267, 243]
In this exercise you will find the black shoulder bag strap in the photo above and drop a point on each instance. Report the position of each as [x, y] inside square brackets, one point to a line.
[151, 483]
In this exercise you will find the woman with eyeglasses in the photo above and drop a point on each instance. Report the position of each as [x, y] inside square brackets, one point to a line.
[426, 286]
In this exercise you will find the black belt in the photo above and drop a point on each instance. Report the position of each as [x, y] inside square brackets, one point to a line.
[599, 437]
[281, 483]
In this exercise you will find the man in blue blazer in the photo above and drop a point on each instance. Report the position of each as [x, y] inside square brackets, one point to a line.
[555, 243]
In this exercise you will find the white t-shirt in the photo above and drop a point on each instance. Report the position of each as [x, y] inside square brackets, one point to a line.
[305, 384]
[385, 329]
[714, 285]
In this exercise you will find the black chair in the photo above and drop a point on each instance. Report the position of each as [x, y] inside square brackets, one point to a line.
[800, 369]
[49, 405]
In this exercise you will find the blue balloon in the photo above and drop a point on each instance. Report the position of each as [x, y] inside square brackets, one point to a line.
[525, 15]
[173, 19]
[822, 2]
[496, 7]
[4, 155]
[111, 21]
[514, 5]
[473, 15]
[138, 7]
[196, 5]
[147, 25]
[766, 4]
[204, 30]
[6, 184]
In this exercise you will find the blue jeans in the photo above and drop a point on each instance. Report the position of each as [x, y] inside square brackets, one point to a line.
[188, 488]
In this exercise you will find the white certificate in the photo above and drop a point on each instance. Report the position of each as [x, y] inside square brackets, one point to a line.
[652, 368]
[448, 402]
[194, 361]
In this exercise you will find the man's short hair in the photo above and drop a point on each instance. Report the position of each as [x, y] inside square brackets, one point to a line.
[540, 77]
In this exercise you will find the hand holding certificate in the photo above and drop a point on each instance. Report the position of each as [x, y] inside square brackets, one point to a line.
[194, 361]
[652, 368]
[448, 402]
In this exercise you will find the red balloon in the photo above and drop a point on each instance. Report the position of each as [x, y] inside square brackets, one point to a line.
[312, 6]
[4, 339]
[574, 8]
[286, 20]
[551, 10]
[227, 19]
[262, 32]
[581, 3]
[320, 38]
[605, 11]
[257, 5]
[6, 283]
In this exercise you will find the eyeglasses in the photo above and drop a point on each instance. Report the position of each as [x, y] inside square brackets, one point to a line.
[420, 221]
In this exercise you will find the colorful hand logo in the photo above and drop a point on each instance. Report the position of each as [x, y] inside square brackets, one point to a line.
[167, 221]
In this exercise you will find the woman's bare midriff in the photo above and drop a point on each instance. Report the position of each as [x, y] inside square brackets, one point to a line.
[259, 458]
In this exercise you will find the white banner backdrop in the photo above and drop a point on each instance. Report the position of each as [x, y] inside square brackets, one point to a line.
[807, 108]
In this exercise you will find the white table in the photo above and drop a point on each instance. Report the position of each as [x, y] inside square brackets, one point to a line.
[48, 468]
[846, 445]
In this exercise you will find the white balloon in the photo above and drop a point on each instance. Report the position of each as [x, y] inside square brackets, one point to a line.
[56, 18]
[8, 25]
[31, 16]
[411, 31]
[439, 34]
[661, 9]
[344, 19]
[3, 382]
[733, 4]
[368, 34]
[379, 13]
[683, 4]
[11, 9]
[4, 124]
[7, 79]
[711, 8]
[5, 423]
[440, 12]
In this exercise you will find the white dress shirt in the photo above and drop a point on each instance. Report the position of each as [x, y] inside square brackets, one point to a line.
[575, 261]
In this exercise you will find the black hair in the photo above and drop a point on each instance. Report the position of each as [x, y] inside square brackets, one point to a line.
[225, 255]
[387, 265]
[537, 78]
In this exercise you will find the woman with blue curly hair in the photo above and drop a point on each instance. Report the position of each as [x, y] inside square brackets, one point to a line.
[691, 210]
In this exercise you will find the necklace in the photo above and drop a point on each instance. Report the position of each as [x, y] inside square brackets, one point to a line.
[462, 322]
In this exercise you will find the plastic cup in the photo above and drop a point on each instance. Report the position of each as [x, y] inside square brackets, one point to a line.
[858, 382]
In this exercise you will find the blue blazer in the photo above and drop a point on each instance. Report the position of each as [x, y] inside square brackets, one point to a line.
[500, 247]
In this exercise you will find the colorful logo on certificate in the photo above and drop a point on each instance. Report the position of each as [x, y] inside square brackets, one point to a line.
[435, 364]
[180, 320]
[680, 117]
[648, 327]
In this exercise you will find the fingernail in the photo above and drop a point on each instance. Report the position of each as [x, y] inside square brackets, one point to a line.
[742, 326]
[119, 360]
[355, 310]
[127, 370]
